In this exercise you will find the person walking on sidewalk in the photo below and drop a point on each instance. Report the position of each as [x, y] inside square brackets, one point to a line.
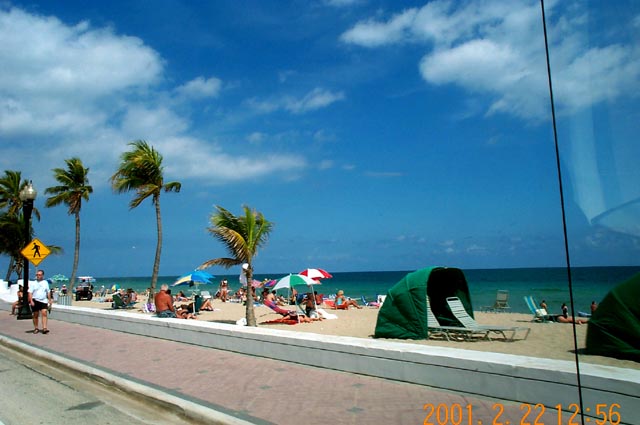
[40, 300]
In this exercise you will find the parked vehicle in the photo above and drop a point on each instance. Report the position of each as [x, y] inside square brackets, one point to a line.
[84, 288]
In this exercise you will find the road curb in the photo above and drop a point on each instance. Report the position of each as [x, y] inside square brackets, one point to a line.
[196, 413]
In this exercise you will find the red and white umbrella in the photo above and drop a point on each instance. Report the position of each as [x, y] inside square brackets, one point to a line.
[316, 274]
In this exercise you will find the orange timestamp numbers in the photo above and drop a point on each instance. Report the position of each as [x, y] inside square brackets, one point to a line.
[531, 414]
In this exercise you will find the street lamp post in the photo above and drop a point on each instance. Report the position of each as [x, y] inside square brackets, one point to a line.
[27, 196]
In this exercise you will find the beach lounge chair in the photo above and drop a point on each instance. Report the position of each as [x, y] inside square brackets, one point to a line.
[119, 303]
[369, 303]
[448, 332]
[329, 303]
[501, 303]
[460, 313]
[295, 315]
[539, 314]
[205, 295]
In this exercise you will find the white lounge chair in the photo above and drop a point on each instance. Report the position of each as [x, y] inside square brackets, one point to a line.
[460, 313]
[501, 304]
[435, 329]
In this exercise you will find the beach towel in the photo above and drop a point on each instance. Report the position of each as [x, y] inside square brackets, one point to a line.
[281, 320]
[326, 315]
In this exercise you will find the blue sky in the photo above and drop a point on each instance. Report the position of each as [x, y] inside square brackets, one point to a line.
[376, 135]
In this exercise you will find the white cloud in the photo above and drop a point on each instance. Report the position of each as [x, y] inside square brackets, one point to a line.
[325, 164]
[383, 174]
[43, 55]
[316, 99]
[141, 122]
[373, 34]
[200, 88]
[85, 91]
[256, 137]
[496, 49]
[342, 3]
[192, 158]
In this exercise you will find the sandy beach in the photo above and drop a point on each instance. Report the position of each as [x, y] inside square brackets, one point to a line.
[546, 340]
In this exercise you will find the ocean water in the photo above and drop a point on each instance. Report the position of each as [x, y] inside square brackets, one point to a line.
[551, 284]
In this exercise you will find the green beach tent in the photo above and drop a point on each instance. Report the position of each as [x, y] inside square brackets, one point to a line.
[614, 328]
[403, 314]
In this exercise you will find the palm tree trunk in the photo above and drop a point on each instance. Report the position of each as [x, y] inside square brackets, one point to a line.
[17, 267]
[156, 263]
[250, 313]
[76, 254]
[9, 270]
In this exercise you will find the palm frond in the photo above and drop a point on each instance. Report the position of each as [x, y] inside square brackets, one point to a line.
[223, 262]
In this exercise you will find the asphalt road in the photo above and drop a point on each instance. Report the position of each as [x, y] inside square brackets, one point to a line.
[32, 392]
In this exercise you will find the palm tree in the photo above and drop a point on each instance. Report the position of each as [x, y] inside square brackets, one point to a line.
[72, 190]
[12, 240]
[242, 236]
[10, 191]
[10, 186]
[140, 170]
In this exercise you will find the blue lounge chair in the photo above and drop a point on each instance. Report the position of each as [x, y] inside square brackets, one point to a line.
[369, 303]
[539, 314]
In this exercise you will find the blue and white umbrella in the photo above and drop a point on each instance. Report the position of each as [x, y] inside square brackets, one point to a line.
[196, 277]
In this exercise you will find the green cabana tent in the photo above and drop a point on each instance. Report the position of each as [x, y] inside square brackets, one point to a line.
[614, 328]
[403, 314]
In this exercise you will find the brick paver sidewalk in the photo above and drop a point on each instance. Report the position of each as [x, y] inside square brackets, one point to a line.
[261, 390]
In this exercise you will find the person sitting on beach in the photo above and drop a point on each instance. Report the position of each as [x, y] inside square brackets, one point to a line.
[543, 304]
[286, 314]
[130, 297]
[565, 318]
[240, 295]
[310, 307]
[343, 303]
[181, 296]
[164, 303]
[17, 303]
[183, 313]
[279, 299]
[293, 297]
[207, 305]
[268, 296]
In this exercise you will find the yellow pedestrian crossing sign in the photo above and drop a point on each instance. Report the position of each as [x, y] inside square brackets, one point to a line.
[35, 251]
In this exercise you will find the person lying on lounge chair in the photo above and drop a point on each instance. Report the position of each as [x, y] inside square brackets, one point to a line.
[286, 314]
[343, 303]
[182, 313]
[565, 318]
